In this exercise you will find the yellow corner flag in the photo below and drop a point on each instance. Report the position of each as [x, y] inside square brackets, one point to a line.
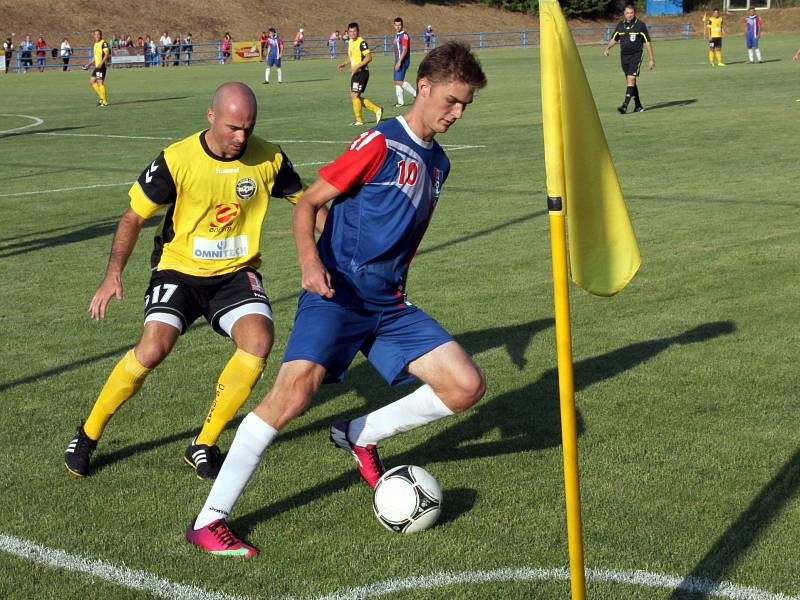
[603, 252]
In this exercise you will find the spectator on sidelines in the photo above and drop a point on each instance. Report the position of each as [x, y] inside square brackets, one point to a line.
[149, 50]
[226, 47]
[263, 39]
[175, 50]
[8, 49]
[41, 53]
[26, 53]
[114, 41]
[188, 48]
[66, 53]
[428, 37]
[165, 43]
[299, 40]
[332, 41]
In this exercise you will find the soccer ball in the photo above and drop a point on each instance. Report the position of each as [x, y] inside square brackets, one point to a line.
[407, 499]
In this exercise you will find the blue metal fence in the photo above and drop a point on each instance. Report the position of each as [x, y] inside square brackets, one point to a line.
[316, 48]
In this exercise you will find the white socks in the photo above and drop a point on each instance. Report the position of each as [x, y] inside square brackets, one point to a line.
[418, 408]
[750, 54]
[398, 92]
[758, 54]
[410, 89]
[280, 75]
[252, 438]
[266, 74]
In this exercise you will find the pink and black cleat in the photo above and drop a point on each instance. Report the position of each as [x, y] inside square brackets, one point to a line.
[217, 538]
[369, 463]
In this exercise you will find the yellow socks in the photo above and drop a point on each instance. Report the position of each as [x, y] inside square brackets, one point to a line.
[711, 57]
[101, 91]
[125, 380]
[233, 387]
[357, 109]
[719, 57]
[373, 107]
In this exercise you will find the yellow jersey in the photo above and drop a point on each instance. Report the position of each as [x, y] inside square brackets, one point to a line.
[357, 49]
[215, 207]
[100, 51]
[715, 26]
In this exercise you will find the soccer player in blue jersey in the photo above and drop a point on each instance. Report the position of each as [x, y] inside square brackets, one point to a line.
[384, 189]
[273, 54]
[752, 34]
[402, 60]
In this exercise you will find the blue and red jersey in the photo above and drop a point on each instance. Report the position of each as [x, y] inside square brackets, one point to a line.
[389, 181]
[402, 40]
[753, 26]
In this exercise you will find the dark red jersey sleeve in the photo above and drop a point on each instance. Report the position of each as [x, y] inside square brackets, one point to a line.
[358, 164]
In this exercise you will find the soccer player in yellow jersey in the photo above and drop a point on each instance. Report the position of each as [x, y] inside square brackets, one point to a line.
[98, 62]
[714, 32]
[359, 56]
[215, 186]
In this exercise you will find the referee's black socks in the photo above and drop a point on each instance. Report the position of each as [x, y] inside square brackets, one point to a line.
[636, 97]
[630, 92]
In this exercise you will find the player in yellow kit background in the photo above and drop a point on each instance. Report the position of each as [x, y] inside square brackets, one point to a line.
[715, 30]
[99, 63]
[359, 56]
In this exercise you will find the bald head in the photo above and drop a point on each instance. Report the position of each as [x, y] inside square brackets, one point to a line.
[232, 116]
[233, 96]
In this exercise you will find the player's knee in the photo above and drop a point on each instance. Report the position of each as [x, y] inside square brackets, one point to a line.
[151, 353]
[467, 389]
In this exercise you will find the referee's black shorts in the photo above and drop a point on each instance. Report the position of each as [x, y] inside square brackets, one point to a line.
[631, 63]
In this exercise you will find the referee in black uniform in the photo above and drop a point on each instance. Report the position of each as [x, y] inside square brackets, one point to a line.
[632, 34]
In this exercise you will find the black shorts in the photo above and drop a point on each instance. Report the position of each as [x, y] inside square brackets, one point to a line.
[631, 63]
[715, 43]
[99, 74]
[178, 299]
[358, 82]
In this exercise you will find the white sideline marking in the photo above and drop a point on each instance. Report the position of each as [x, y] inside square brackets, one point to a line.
[722, 589]
[128, 578]
[103, 135]
[102, 185]
[36, 121]
[141, 580]
[69, 189]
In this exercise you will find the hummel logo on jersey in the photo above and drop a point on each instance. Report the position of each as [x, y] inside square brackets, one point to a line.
[148, 177]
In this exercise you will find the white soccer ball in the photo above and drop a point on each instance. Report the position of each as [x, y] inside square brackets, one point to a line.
[407, 499]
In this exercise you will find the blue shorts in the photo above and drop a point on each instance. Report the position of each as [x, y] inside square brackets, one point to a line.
[400, 75]
[751, 41]
[331, 334]
[274, 62]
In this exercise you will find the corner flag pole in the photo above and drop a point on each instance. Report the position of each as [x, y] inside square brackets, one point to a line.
[556, 193]
[566, 392]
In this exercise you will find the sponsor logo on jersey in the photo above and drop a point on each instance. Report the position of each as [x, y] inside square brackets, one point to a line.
[246, 188]
[436, 175]
[226, 171]
[223, 217]
[226, 248]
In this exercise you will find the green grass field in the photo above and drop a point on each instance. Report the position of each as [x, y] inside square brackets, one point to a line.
[685, 384]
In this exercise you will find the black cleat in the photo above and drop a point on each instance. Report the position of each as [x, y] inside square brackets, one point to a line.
[639, 109]
[79, 452]
[205, 460]
[622, 109]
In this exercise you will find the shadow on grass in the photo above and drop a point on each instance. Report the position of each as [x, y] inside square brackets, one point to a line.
[744, 533]
[526, 419]
[148, 100]
[35, 131]
[88, 232]
[670, 104]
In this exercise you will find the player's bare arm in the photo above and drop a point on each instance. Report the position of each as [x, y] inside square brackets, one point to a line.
[611, 44]
[315, 278]
[651, 58]
[121, 248]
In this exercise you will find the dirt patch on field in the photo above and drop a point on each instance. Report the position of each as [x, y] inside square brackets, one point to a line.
[245, 19]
